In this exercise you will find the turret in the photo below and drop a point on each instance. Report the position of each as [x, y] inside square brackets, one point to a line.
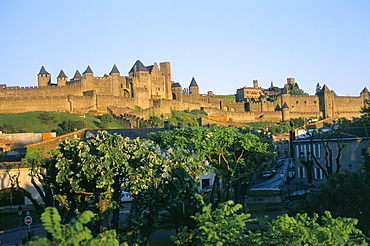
[176, 91]
[88, 72]
[87, 77]
[193, 87]
[255, 83]
[326, 97]
[43, 78]
[285, 112]
[77, 75]
[138, 69]
[114, 70]
[117, 87]
[365, 93]
[62, 78]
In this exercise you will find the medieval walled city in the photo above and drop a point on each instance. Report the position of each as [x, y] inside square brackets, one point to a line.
[151, 89]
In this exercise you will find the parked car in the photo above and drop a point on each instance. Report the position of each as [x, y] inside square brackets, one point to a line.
[268, 174]
[279, 163]
[125, 196]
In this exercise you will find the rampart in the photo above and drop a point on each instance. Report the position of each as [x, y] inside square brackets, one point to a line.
[35, 103]
[146, 87]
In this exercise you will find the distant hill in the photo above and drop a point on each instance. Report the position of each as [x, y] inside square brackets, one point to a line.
[40, 121]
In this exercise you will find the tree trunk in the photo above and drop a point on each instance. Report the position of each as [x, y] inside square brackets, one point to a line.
[116, 198]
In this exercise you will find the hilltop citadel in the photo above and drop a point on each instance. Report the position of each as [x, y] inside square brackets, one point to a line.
[151, 89]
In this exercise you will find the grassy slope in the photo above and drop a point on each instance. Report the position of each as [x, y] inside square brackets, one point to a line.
[29, 122]
[258, 125]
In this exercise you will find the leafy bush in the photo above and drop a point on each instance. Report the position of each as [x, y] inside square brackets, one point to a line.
[296, 123]
[7, 128]
[298, 92]
[105, 120]
[222, 226]
[137, 108]
[155, 119]
[304, 230]
[75, 233]
[199, 113]
[283, 127]
[70, 126]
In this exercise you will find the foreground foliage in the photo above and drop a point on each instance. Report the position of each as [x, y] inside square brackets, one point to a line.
[75, 233]
[224, 226]
[345, 194]
[304, 230]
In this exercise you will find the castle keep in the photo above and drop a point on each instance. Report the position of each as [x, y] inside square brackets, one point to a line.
[150, 89]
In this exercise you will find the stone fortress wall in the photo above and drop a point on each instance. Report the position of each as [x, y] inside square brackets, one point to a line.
[150, 89]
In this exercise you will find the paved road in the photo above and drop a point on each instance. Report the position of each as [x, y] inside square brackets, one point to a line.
[277, 180]
[13, 236]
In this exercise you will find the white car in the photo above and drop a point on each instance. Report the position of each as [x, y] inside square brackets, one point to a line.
[125, 196]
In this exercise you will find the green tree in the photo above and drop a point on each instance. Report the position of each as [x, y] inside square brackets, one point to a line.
[7, 128]
[234, 155]
[367, 162]
[346, 194]
[41, 178]
[304, 230]
[75, 233]
[68, 126]
[96, 169]
[296, 122]
[222, 226]
[105, 120]
[364, 121]
[90, 170]
[298, 92]
[283, 127]
[155, 119]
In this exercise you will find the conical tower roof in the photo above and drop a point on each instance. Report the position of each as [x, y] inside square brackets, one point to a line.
[139, 67]
[88, 70]
[325, 88]
[114, 69]
[62, 74]
[176, 84]
[285, 106]
[365, 90]
[43, 71]
[193, 82]
[277, 108]
[77, 75]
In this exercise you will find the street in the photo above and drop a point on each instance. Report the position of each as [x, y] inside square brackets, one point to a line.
[277, 180]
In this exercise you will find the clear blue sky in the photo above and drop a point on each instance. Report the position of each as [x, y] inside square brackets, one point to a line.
[225, 45]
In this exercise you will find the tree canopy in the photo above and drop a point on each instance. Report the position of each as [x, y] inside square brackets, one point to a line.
[346, 194]
[234, 155]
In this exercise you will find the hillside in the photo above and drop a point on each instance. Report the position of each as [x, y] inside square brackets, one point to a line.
[39, 121]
